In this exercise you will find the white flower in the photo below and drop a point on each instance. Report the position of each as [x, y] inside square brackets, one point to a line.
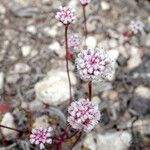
[74, 42]
[93, 64]
[83, 115]
[41, 136]
[65, 15]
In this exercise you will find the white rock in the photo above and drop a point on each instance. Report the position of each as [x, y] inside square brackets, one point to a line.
[55, 46]
[31, 29]
[2, 9]
[105, 5]
[114, 141]
[113, 43]
[91, 42]
[96, 100]
[12, 78]
[54, 88]
[104, 44]
[46, 1]
[21, 68]
[147, 42]
[42, 121]
[35, 105]
[50, 31]
[134, 62]
[8, 120]
[89, 141]
[73, 4]
[1, 80]
[134, 51]
[113, 54]
[142, 126]
[26, 50]
[33, 53]
[143, 91]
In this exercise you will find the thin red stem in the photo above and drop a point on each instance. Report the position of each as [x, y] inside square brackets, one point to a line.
[67, 61]
[59, 146]
[90, 90]
[77, 140]
[65, 131]
[85, 20]
[17, 130]
[72, 135]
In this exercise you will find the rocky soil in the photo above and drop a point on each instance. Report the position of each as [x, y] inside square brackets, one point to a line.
[32, 70]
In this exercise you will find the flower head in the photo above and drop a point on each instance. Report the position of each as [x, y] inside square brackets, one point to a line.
[65, 15]
[85, 2]
[41, 136]
[83, 115]
[93, 64]
[74, 42]
[136, 26]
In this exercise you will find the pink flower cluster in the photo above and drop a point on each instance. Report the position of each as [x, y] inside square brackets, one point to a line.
[84, 2]
[65, 15]
[136, 26]
[41, 136]
[93, 64]
[74, 42]
[83, 115]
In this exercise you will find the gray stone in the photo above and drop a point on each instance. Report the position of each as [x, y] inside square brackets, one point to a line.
[42, 121]
[31, 29]
[12, 78]
[21, 68]
[91, 42]
[8, 120]
[113, 43]
[114, 141]
[55, 47]
[26, 50]
[2, 9]
[1, 81]
[105, 5]
[143, 91]
[54, 88]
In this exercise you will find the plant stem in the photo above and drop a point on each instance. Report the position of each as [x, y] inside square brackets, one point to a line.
[67, 61]
[85, 20]
[59, 146]
[90, 90]
[65, 131]
[77, 140]
[72, 135]
[17, 130]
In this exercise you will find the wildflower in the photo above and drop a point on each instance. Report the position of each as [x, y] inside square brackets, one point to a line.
[83, 115]
[93, 64]
[74, 42]
[41, 136]
[84, 2]
[136, 26]
[65, 15]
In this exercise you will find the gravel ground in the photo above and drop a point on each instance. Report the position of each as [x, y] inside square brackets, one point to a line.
[32, 51]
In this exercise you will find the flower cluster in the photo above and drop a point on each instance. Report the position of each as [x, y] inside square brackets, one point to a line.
[136, 26]
[93, 64]
[65, 15]
[84, 2]
[83, 115]
[74, 42]
[41, 136]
